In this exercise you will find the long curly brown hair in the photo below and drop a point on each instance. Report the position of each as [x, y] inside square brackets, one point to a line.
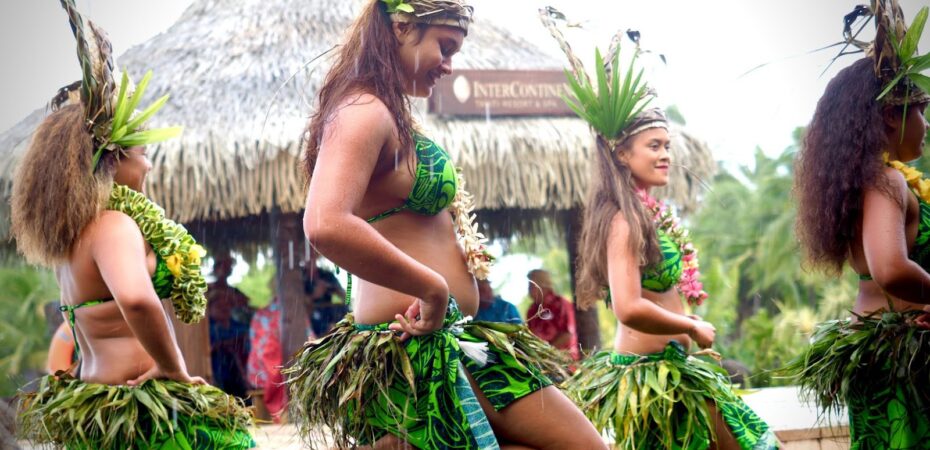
[55, 195]
[840, 158]
[367, 62]
[611, 190]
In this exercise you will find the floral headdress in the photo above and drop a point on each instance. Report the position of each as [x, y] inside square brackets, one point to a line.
[894, 50]
[616, 101]
[454, 13]
[109, 106]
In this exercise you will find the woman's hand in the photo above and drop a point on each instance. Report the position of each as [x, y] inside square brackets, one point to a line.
[422, 317]
[155, 373]
[703, 333]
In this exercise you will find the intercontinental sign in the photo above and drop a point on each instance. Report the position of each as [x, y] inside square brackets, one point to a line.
[501, 93]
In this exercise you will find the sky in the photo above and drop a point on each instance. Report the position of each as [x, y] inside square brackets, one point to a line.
[710, 47]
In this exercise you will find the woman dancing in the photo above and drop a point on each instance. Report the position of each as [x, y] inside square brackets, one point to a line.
[77, 207]
[649, 393]
[860, 204]
[379, 206]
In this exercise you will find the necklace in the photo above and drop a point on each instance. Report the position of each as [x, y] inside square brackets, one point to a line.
[689, 284]
[173, 244]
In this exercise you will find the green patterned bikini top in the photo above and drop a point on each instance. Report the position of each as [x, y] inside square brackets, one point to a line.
[434, 184]
[162, 280]
[920, 253]
[434, 187]
[665, 274]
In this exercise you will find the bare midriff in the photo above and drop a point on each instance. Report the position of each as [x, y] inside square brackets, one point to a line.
[630, 341]
[432, 241]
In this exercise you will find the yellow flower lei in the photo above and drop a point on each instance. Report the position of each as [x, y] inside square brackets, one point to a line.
[174, 245]
[914, 178]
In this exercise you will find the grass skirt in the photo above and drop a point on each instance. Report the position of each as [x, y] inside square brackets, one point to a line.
[67, 412]
[876, 367]
[659, 401]
[359, 382]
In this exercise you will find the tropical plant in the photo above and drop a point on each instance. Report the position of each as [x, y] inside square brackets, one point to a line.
[24, 336]
[615, 102]
[763, 299]
[912, 64]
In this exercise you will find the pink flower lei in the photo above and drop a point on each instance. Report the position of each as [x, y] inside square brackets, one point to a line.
[688, 284]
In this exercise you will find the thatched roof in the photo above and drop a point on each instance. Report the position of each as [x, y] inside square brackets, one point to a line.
[228, 67]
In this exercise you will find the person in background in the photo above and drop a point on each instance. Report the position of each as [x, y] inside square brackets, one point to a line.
[551, 316]
[492, 308]
[327, 297]
[230, 315]
[265, 358]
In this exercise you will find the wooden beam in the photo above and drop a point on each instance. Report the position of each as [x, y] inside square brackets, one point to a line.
[289, 251]
[586, 322]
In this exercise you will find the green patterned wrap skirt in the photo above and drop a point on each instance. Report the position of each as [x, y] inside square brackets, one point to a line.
[359, 382]
[156, 415]
[876, 367]
[660, 401]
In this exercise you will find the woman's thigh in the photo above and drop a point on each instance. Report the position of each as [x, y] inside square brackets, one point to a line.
[545, 419]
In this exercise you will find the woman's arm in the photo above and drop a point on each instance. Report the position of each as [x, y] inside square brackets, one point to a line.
[119, 251]
[349, 154]
[884, 243]
[627, 300]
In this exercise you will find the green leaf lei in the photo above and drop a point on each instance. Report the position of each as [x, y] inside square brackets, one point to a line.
[174, 245]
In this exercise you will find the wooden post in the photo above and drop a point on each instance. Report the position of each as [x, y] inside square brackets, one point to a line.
[288, 239]
[586, 322]
[194, 342]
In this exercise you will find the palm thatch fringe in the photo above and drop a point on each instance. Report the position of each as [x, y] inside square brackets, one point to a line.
[65, 411]
[244, 94]
[846, 359]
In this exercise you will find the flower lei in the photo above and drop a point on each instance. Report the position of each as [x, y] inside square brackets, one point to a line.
[477, 257]
[688, 284]
[914, 178]
[174, 245]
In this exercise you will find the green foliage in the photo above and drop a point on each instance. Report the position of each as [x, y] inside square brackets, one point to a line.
[24, 338]
[126, 129]
[394, 6]
[911, 63]
[762, 299]
[614, 103]
[256, 284]
[100, 416]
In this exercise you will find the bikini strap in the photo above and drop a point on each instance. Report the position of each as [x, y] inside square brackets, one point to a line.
[69, 309]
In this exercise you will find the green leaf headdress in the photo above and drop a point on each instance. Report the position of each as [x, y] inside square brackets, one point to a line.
[453, 13]
[615, 105]
[894, 51]
[109, 107]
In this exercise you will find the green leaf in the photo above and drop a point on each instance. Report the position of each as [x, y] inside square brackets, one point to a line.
[919, 64]
[121, 103]
[891, 85]
[137, 94]
[405, 8]
[149, 111]
[921, 81]
[148, 137]
[912, 37]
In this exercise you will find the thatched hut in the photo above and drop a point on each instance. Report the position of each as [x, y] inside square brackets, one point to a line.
[242, 84]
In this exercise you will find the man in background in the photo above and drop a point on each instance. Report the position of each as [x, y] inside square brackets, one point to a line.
[492, 308]
[551, 317]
